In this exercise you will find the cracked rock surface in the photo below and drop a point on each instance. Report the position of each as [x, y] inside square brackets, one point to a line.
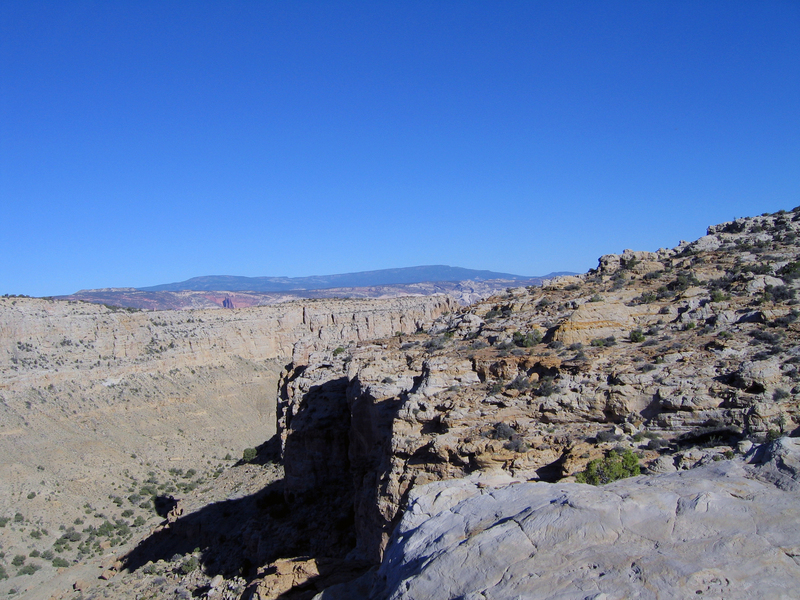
[720, 531]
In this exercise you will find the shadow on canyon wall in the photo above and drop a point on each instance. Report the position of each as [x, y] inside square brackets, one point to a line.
[238, 536]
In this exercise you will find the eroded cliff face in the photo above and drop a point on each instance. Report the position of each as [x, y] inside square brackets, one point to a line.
[684, 356]
[100, 405]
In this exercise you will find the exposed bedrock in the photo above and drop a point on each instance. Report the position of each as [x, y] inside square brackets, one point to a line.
[725, 530]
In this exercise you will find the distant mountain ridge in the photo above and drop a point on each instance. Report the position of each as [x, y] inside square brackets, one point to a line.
[407, 275]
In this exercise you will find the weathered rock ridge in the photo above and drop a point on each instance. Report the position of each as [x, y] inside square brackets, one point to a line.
[684, 356]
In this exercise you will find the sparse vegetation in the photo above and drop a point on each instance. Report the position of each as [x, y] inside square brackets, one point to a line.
[611, 468]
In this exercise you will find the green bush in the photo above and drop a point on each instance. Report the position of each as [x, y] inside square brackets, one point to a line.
[249, 454]
[3, 573]
[190, 565]
[527, 340]
[600, 342]
[18, 560]
[612, 467]
[59, 562]
[719, 296]
[28, 569]
[338, 351]
[637, 335]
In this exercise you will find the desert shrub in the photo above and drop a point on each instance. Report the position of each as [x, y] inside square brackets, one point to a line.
[338, 351]
[778, 293]
[780, 394]
[492, 314]
[139, 521]
[4, 521]
[556, 345]
[527, 340]
[3, 573]
[29, 569]
[18, 560]
[790, 271]
[786, 320]
[547, 387]
[48, 555]
[520, 383]
[31, 495]
[656, 443]
[189, 565]
[767, 337]
[719, 296]
[611, 468]
[18, 518]
[517, 445]
[249, 454]
[436, 343]
[59, 562]
[773, 434]
[502, 431]
[645, 298]
[636, 336]
[575, 347]
[608, 436]
[682, 282]
[596, 298]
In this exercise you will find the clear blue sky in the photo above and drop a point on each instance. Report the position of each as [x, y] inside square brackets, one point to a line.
[149, 142]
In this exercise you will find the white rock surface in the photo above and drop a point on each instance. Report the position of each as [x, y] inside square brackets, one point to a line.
[727, 530]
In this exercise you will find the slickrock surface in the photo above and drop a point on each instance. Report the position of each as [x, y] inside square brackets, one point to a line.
[716, 531]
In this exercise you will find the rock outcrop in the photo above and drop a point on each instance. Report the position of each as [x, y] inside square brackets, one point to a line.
[676, 361]
[725, 530]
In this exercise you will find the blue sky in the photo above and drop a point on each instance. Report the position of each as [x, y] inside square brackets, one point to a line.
[149, 142]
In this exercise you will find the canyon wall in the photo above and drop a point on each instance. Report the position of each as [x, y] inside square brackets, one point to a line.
[93, 399]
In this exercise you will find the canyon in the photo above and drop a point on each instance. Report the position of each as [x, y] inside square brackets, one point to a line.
[415, 447]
